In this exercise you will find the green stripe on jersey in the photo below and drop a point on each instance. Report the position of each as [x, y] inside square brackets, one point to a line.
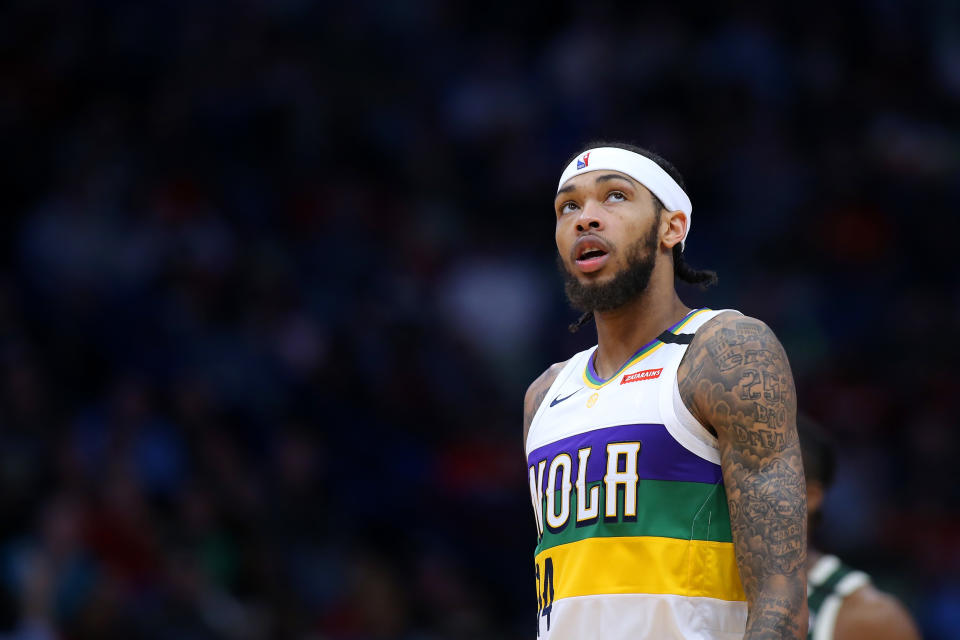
[665, 508]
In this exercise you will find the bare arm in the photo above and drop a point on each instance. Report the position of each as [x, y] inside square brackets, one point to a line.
[535, 394]
[870, 614]
[735, 378]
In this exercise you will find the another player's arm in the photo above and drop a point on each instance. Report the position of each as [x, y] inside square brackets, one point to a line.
[735, 378]
[870, 614]
[535, 395]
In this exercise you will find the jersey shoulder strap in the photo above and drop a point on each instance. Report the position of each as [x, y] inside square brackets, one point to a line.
[678, 420]
[828, 583]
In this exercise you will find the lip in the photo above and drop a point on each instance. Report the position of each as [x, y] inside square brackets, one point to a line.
[587, 243]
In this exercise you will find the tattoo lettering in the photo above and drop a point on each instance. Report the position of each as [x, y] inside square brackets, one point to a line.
[775, 418]
[770, 438]
[774, 620]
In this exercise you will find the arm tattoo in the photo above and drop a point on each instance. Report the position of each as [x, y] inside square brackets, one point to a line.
[736, 379]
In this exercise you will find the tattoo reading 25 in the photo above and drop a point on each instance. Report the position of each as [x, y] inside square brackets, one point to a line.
[736, 378]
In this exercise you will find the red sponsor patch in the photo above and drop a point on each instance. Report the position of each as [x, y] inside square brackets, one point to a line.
[646, 374]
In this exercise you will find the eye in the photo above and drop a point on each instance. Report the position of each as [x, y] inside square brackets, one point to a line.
[567, 207]
[616, 196]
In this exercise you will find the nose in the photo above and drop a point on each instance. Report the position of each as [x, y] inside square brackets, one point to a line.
[589, 217]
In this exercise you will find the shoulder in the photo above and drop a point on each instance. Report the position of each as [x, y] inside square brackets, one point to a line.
[536, 392]
[723, 333]
[869, 613]
[731, 353]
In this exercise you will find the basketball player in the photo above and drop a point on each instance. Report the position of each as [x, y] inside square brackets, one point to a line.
[843, 603]
[664, 465]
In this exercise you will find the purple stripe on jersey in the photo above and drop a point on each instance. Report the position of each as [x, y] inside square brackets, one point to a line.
[661, 457]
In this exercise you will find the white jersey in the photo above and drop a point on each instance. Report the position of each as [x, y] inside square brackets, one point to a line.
[634, 532]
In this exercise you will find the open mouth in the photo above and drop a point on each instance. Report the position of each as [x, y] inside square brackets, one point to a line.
[591, 254]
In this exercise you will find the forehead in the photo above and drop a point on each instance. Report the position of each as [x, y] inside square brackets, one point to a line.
[593, 178]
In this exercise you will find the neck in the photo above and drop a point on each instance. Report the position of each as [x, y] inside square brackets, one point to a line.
[622, 331]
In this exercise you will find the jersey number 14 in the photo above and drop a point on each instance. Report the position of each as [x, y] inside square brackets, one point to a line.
[544, 592]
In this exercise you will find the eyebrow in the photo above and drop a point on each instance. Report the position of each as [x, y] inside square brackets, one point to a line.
[604, 178]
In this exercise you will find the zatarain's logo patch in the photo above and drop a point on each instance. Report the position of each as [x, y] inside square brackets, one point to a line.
[584, 161]
[646, 374]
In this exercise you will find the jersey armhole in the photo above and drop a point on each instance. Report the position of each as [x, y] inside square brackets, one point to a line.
[685, 428]
[677, 419]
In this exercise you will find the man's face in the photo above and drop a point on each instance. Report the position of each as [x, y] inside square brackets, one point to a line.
[607, 238]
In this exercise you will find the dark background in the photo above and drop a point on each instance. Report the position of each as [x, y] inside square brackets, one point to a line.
[276, 274]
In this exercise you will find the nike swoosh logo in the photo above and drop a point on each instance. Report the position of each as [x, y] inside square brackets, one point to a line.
[558, 399]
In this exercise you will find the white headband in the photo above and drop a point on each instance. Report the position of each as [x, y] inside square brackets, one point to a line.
[642, 169]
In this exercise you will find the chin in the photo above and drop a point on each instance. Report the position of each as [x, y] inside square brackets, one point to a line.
[605, 273]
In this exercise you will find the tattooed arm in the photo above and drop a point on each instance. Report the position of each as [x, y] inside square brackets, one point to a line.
[736, 380]
[535, 394]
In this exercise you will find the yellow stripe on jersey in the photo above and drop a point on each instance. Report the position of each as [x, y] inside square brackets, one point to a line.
[645, 564]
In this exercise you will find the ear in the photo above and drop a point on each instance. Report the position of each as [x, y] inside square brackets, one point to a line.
[673, 227]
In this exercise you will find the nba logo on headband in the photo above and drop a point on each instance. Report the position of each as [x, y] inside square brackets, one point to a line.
[584, 162]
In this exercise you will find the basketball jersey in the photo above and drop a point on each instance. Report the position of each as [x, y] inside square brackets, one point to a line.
[630, 507]
[828, 583]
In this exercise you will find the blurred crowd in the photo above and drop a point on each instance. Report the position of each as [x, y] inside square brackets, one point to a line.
[276, 275]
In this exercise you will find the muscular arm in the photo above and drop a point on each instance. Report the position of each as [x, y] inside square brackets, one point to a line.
[870, 614]
[735, 378]
[535, 394]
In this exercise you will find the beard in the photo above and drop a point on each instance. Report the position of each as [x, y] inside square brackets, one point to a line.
[626, 285]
